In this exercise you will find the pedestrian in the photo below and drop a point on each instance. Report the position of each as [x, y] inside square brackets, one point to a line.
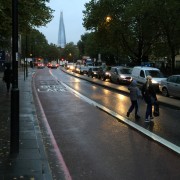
[149, 96]
[7, 78]
[135, 94]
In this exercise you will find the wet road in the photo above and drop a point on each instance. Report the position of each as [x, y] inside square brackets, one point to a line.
[94, 144]
[167, 125]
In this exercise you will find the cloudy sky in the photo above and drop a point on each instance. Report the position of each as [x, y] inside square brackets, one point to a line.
[72, 15]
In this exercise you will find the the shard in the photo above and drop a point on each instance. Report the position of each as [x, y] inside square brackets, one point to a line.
[61, 33]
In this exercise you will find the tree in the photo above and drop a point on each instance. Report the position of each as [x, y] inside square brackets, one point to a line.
[31, 14]
[5, 17]
[34, 44]
[70, 52]
[131, 30]
[169, 21]
[136, 28]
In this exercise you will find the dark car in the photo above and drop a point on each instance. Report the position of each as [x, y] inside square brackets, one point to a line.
[121, 75]
[171, 86]
[103, 73]
[54, 65]
[48, 65]
[40, 65]
[93, 71]
[81, 69]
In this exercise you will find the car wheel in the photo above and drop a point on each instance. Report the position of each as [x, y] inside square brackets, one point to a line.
[165, 92]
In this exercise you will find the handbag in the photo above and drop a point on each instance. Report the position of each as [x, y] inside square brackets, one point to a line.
[156, 109]
[152, 100]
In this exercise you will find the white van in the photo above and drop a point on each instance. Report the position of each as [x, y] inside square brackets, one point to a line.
[139, 73]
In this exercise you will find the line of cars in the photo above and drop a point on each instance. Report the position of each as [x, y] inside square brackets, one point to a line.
[116, 74]
[52, 65]
[169, 86]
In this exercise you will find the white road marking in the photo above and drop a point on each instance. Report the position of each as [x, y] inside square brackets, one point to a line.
[128, 122]
[151, 135]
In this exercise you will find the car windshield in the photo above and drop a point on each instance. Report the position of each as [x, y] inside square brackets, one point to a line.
[154, 73]
[125, 71]
[95, 69]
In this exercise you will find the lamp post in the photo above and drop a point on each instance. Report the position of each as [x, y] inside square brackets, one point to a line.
[14, 137]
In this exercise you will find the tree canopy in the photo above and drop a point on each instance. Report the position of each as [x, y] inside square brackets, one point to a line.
[135, 28]
[31, 14]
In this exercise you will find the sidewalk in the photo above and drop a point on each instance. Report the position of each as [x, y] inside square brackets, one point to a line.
[31, 162]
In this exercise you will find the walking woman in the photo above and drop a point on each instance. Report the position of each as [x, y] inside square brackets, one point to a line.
[149, 96]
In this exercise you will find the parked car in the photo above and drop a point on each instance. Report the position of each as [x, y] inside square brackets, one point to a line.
[139, 73]
[120, 74]
[40, 65]
[81, 69]
[171, 86]
[93, 71]
[70, 66]
[103, 73]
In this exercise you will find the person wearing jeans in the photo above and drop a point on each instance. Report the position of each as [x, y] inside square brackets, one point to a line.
[149, 96]
[134, 95]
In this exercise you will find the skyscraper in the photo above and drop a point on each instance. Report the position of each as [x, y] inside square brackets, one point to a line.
[61, 33]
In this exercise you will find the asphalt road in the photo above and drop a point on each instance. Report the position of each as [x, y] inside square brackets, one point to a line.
[94, 144]
[167, 125]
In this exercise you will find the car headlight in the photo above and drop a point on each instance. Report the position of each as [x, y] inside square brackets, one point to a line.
[122, 76]
[154, 81]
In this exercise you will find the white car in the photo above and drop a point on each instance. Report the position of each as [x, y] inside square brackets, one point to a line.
[171, 86]
[70, 66]
[139, 73]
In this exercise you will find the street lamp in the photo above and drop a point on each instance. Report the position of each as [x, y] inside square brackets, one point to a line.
[108, 19]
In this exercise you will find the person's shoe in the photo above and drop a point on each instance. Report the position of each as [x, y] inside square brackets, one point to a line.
[147, 120]
[137, 117]
[128, 113]
[151, 117]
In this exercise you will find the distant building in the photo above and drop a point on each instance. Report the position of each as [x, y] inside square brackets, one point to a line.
[61, 33]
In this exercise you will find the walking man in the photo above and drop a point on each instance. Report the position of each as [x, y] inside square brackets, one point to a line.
[7, 78]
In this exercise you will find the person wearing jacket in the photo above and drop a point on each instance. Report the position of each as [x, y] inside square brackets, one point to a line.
[7, 78]
[135, 93]
[149, 96]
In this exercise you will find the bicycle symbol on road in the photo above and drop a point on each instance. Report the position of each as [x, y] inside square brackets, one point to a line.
[51, 88]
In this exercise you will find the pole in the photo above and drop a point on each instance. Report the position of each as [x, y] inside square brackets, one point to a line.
[26, 54]
[14, 137]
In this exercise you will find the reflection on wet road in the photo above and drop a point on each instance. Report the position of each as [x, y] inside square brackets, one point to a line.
[166, 125]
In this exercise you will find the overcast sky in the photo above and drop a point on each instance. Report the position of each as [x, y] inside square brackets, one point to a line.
[72, 15]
